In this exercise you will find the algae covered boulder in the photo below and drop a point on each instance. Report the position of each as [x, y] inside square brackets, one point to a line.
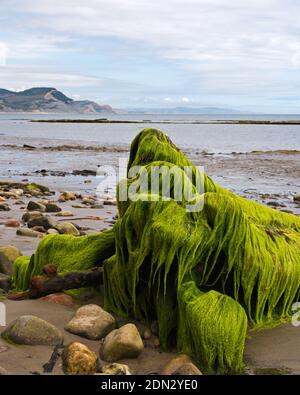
[92, 322]
[204, 264]
[32, 330]
[79, 359]
[8, 254]
[124, 342]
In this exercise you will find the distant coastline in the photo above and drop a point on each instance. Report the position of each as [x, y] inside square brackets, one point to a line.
[226, 122]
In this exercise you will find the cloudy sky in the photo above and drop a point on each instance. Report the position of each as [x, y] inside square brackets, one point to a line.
[150, 53]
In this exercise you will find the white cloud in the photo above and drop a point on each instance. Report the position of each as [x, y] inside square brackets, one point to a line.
[3, 53]
[168, 99]
[23, 77]
[185, 100]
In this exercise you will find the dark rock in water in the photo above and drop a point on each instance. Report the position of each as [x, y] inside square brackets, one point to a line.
[84, 172]
[296, 198]
[52, 208]
[5, 282]
[276, 204]
[31, 215]
[32, 330]
[44, 221]
[28, 146]
[4, 207]
[79, 359]
[35, 206]
[8, 254]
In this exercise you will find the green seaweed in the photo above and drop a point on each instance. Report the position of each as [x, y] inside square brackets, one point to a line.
[202, 274]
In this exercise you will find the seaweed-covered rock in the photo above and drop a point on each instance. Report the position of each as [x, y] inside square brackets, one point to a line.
[202, 263]
[79, 359]
[91, 321]
[8, 254]
[124, 342]
[32, 330]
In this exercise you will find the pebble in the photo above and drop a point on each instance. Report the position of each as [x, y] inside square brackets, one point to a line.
[32, 330]
[124, 342]
[35, 206]
[116, 369]
[52, 208]
[180, 365]
[27, 232]
[64, 214]
[92, 322]
[79, 359]
[59, 298]
[12, 223]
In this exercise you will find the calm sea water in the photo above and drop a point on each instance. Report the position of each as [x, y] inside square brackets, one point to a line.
[15, 131]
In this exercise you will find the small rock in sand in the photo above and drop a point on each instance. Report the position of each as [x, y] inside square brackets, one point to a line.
[116, 369]
[32, 330]
[59, 298]
[67, 228]
[12, 223]
[52, 208]
[65, 196]
[64, 213]
[88, 200]
[124, 342]
[4, 207]
[35, 206]
[180, 365]
[79, 359]
[2, 199]
[3, 372]
[27, 232]
[92, 322]
[78, 206]
[8, 254]
[5, 282]
[110, 202]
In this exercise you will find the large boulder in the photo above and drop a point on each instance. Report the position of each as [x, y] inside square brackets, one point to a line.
[79, 359]
[124, 342]
[32, 330]
[8, 254]
[92, 322]
[180, 365]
